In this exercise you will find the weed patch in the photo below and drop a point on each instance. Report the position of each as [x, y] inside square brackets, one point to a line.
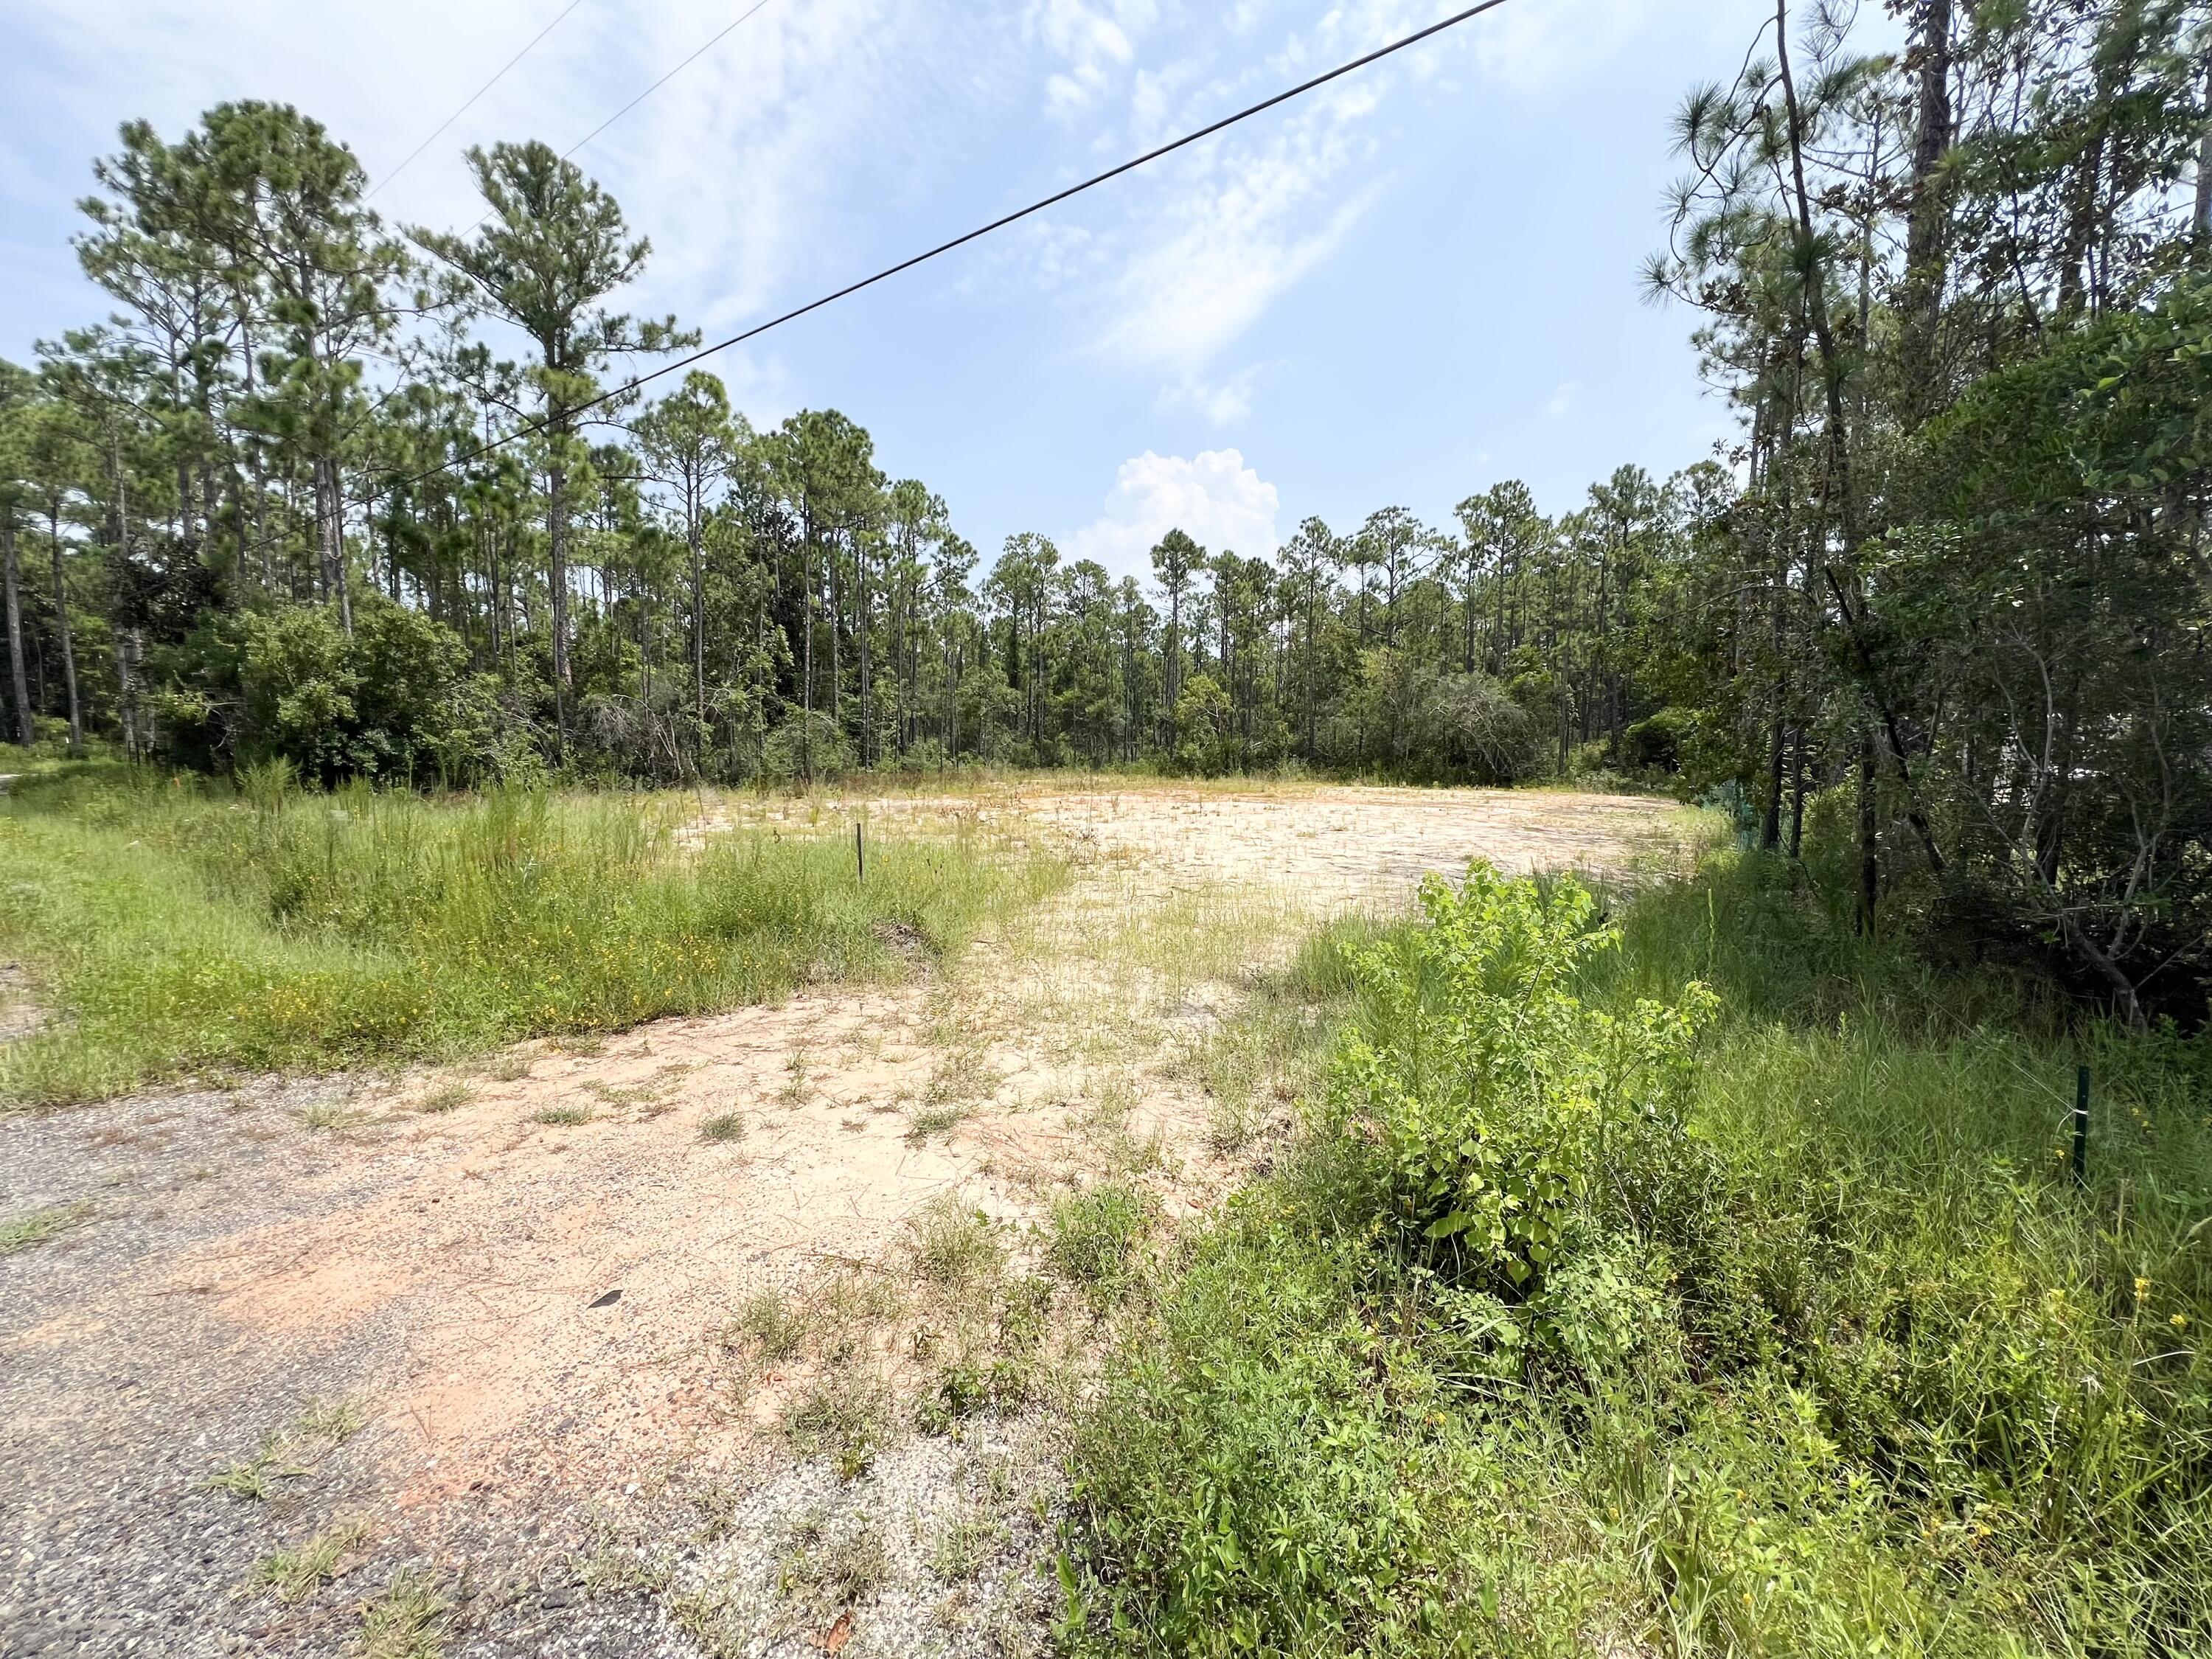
[822, 1572]
[332, 1114]
[321, 1428]
[176, 928]
[955, 1245]
[1092, 1239]
[20, 1233]
[294, 1574]
[407, 1621]
[771, 1324]
[843, 1416]
[446, 1097]
[963, 1544]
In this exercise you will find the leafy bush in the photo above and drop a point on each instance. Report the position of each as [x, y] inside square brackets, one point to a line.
[1408, 718]
[393, 698]
[1206, 729]
[1489, 1087]
[1553, 1337]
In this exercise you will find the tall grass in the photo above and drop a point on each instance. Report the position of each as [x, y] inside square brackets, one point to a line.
[1841, 1364]
[176, 928]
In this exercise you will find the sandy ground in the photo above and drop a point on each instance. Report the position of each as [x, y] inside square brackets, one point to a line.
[471, 1315]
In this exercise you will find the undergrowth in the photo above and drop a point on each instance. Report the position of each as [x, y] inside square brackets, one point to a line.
[1697, 1282]
[179, 928]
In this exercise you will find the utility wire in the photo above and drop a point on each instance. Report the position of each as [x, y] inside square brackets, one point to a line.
[661, 83]
[479, 93]
[571, 150]
[530, 428]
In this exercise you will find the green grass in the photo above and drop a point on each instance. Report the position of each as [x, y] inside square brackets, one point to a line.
[20, 1233]
[445, 1098]
[408, 1621]
[296, 1574]
[1815, 1350]
[1092, 1239]
[844, 1417]
[176, 928]
[953, 1244]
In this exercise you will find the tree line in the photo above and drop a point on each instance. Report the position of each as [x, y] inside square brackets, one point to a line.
[1934, 625]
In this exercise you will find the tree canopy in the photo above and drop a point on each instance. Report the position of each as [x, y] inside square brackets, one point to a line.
[1932, 624]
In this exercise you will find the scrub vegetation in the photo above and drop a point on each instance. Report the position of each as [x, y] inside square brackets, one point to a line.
[1702, 1281]
[178, 929]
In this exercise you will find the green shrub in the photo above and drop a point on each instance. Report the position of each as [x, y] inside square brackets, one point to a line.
[1813, 1351]
[1510, 1115]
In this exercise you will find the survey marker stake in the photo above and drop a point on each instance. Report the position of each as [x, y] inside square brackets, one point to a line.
[2081, 1126]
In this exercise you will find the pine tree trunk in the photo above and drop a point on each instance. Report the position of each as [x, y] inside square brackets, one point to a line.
[329, 540]
[806, 694]
[836, 649]
[1797, 794]
[26, 728]
[698, 601]
[1869, 838]
[1922, 301]
[862, 630]
[556, 535]
[69, 649]
[2203, 217]
[1769, 836]
[126, 696]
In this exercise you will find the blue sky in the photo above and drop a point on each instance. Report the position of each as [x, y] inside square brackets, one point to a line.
[1400, 290]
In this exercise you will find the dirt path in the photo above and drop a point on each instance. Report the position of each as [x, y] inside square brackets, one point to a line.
[474, 1324]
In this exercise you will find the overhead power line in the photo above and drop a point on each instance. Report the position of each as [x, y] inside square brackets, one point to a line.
[530, 428]
[478, 94]
[662, 82]
[570, 152]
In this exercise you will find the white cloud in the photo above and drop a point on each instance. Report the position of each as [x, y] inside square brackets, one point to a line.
[723, 166]
[1204, 247]
[1093, 42]
[1232, 237]
[1562, 401]
[1223, 402]
[1214, 498]
[1530, 49]
[1208, 243]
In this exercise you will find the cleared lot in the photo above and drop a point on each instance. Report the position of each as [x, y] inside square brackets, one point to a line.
[382, 1314]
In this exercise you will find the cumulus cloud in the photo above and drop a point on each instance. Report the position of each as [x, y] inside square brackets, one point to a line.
[1562, 401]
[1212, 497]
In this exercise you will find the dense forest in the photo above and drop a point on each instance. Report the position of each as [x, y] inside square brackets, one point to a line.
[1934, 624]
